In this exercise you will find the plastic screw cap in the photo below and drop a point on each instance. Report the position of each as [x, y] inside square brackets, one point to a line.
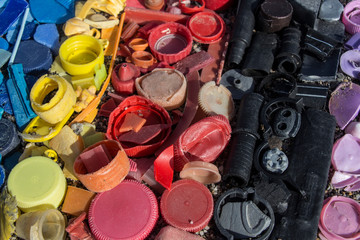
[9, 138]
[351, 17]
[34, 56]
[206, 27]
[349, 63]
[37, 182]
[128, 211]
[170, 42]
[188, 205]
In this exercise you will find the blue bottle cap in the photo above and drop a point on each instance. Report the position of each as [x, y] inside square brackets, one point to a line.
[33, 56]
[48, 35]
[51, 11]
[9, 138]
[2, 176]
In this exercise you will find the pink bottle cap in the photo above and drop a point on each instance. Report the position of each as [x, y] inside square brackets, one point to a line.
[339, 219]
[128, 211]
[351, 17]
[206, 27]
[170, 42]
[188, 205]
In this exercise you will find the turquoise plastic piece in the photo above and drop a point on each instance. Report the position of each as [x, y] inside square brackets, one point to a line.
[19, 96]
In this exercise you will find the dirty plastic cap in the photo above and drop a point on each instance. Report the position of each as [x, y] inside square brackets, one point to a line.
[188, 205]
[9, 138]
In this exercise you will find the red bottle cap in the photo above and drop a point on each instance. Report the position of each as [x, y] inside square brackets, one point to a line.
[189, 8]
[123, 78]
[153, 113]
[206, 27]
[202, 141]
[188, 205]
[170, 42]
[128, 211]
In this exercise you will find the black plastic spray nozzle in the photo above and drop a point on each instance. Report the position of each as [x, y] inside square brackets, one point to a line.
[243, 142]
[242, 32]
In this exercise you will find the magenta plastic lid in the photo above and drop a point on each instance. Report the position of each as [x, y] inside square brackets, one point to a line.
[206, 27]
[188, 205]
[170, 42]
[351, 17]
[339, 218]
[128, 211]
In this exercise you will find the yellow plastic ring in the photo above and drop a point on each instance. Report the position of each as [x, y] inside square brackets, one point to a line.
[59, 105]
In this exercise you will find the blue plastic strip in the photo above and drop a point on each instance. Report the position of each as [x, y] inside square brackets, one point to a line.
[68, 4]
[11, 13]
[18, 39]
[19, 96]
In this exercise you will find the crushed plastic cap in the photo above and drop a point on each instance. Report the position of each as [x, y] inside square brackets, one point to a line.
[9, 138]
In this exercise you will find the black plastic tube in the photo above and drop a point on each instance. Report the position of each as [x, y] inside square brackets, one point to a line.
[288, 59]
[243, 30]
[244, 138]
[311, 158]
[260, 56]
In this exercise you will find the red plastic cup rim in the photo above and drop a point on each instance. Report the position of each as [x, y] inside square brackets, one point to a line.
[206, 27]
[128, 211]
[188, 205]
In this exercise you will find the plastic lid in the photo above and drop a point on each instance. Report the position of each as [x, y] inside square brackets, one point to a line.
[170, 42]
[9, 138]
[37, 182]
[202, 172]
[202, 141]
[349, 63]
[128, 211]
[215, 100]
[33, 56]
[206, 27]
[351, 17]
[123, 78]
[340, 218]
[188, 205]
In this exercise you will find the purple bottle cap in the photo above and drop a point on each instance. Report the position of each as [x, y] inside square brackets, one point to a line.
[350, 63]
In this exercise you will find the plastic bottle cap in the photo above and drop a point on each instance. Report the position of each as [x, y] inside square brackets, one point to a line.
[123, 78]
[33, 56]
[142, 59]
[80, 54]
[215, 100]
[188, 205]
[170, 42]
[202, 172]
[349, 63]
[128, 211]
[9, 138]
[37, 182]
[153, 113]
[339, 218]
[188, 7]
[351, 17]
[206, 27]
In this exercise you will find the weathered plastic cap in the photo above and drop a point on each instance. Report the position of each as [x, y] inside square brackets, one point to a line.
[351, 17]
[9, 138]
[128, 211]
[206, 27]
[187, 206]
[339, 219]
[37, 182]
[33, 56]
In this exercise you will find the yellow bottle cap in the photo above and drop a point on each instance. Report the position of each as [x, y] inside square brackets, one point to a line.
[37, 183]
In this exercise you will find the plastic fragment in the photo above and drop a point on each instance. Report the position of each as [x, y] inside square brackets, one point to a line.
[9, 214]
